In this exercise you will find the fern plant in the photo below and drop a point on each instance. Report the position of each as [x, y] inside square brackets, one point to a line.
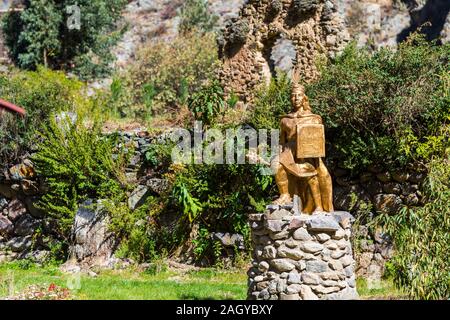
[191, 206]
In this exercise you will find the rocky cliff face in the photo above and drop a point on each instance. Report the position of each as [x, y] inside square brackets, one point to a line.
[383, 21]
[386, 22]
[150, 20]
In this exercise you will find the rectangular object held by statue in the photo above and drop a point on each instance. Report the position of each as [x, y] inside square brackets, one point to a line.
[310, 141]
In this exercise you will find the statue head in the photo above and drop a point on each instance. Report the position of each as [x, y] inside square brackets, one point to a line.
[299, 99]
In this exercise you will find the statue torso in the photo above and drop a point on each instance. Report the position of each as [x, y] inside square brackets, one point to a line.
[289, 123]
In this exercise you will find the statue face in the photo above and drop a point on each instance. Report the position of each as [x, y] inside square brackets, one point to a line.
[297, 99]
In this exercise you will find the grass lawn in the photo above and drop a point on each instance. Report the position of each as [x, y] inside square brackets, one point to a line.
[135, 285]
[379, 290]
[129, 284]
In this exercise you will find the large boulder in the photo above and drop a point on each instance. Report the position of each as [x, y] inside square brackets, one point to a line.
[138, 197]
[20, 244]
[92, 243]
[230, 240]
[158, 186]
[16, 209]
[6, 226]
[26, 225]
[389, 203]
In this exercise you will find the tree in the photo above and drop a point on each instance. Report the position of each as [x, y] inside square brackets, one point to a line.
[39, 35]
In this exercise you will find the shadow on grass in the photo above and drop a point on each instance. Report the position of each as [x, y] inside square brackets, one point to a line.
[190, 296]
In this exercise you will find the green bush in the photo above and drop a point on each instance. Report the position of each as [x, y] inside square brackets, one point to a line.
[39, 35]
[42, 94]
[385, 107]
[136, 231]
[202, 243]
[222, 203]
[421, 236]
[195, 16]
[158, 156]
[166, 74]
[208, 103]
[142, 237]
[271, 103]
[77, 163]
[201, 199]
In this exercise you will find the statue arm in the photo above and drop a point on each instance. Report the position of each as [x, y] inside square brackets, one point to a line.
[283, 139]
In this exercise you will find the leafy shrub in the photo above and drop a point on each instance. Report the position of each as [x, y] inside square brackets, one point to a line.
[421, 236]
[203, 200]
[385, 107]
[134, 229]
[41, 93]
[271, 103]
[195, 16]
[39, 35]
[202, 243]
[208, 102]
[222, 203]
[166, 74]
[77, 163]
[158, 156]
[191, 206]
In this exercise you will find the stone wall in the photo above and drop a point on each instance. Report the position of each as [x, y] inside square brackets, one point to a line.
[28, 232]
[301, 257]
[313, 28]
[383, 191]
[20, 219]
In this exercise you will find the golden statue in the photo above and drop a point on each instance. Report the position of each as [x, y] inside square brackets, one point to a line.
[299, 167]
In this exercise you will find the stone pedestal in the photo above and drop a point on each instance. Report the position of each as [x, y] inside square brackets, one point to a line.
[301, 257]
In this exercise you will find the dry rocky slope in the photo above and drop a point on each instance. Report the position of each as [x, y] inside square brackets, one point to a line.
[380, 20]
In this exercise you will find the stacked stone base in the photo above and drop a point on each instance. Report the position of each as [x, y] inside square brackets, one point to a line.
[301, 257]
